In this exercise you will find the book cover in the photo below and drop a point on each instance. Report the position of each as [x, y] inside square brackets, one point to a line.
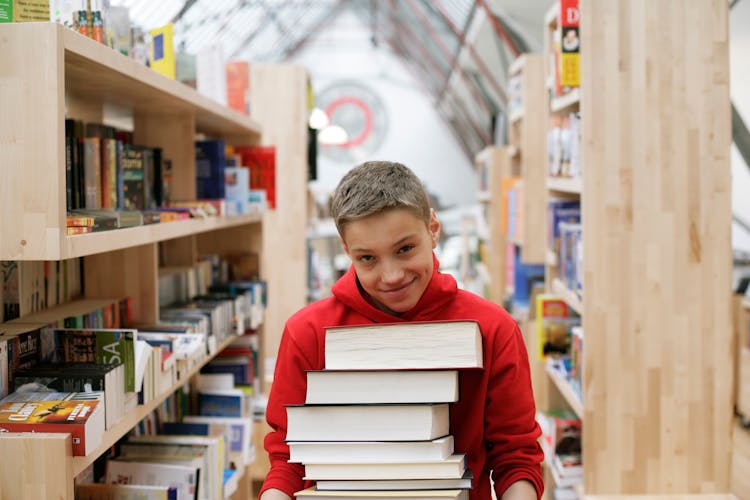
[181, 477]
[438, 344]
[238, 86]
[162, 50]
[79, 413]
[570, 63]
[102, 346]
[240, 432]
[210, 162]
[133, 178]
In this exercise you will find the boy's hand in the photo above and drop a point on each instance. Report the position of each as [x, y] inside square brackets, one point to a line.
[274, 494]
[520, 490]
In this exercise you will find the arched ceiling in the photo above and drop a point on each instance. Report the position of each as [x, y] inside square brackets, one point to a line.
[459, 49]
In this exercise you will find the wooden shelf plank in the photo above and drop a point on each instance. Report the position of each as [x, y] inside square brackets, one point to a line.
[572, 298]
[127, 422]
[121, 80]
[565, 102]
[106, 241]
[566, 391]
[568, 185]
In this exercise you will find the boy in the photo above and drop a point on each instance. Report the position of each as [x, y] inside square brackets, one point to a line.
[388, 230]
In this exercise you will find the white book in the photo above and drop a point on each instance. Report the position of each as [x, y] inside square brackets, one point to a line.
[369, 451]
[98, 491]
[181, 477]
[428, 345]
[463, 483]
[317, 494]
[452, 467]
[381, 386]
[397, 422]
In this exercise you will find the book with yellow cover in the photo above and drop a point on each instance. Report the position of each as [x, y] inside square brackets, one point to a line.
[162, 51]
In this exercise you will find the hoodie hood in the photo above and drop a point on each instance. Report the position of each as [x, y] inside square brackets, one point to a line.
[440, 290]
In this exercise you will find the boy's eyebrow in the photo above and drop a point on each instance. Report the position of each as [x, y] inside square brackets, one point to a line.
[397, 243]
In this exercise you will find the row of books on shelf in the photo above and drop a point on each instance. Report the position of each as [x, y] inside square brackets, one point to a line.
[562, 435]
[564, 145]
[130, 366]
[30, 286]
[400, 380]
[119, 184]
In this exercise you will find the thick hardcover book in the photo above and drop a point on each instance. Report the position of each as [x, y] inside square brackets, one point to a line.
[462, 483]
[428, 345]
[79, 413]
[330, 452]
[452, 467]
[381, 386]
[384, 422]
[317, 494]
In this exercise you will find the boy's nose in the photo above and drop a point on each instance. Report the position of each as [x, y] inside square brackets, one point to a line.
[392, 273]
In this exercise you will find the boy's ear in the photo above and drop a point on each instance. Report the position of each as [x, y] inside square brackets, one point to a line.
[434, 227]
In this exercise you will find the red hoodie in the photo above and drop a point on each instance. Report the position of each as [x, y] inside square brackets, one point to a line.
[493, 422]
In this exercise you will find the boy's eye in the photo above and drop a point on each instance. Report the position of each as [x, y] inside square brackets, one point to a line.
[406, 248]
[366, 258]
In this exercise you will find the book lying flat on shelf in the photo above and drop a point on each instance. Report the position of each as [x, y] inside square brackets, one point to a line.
[381, 386]
[369, 451]
[81, 414]
[451, 467]
[389, 422]
[317, 494]
[438, 344]
[183, 477]
[100, 491]
[462, 483]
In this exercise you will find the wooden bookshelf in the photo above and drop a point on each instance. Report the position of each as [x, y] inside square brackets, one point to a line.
[111, 436]
[565, 185]
[51, 73]
[572, 298]
[526, 140]
[566, 391]
[493, 163]
[566, 102]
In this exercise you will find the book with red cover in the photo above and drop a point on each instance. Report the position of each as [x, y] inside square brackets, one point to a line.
[79, 413]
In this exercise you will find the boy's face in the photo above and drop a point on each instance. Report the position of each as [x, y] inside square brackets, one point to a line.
[392, 255]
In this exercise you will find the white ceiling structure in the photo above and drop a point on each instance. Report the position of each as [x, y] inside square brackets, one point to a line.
[459, 49]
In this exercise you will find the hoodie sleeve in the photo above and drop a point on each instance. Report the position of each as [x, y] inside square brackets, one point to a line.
[289, 387]
[511, 429]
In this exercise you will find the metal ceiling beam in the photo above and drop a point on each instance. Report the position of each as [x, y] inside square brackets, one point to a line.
[327, 17]
[455, 123]
[453, 61]
[474, 55]
[185, 8]
[481, 133]
[499, 29]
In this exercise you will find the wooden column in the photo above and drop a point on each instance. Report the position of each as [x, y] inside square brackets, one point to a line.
[278, 96]
[657, 256]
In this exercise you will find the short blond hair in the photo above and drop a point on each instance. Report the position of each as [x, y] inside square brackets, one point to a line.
[374, 187]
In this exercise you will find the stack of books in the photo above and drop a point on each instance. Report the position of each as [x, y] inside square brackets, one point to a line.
[375, 422]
